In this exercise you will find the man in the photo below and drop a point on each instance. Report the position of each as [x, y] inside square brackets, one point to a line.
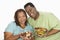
[45, 20]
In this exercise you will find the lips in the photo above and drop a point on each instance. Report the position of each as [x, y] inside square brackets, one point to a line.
[23, 21]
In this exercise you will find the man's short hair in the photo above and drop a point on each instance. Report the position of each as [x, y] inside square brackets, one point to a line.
[31, 4]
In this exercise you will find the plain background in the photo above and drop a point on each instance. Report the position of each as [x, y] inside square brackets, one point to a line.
[8, 8]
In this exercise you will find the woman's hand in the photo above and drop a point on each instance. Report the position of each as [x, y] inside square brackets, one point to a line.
[26, 36]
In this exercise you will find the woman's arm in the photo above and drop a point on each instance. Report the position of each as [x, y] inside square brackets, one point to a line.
[32, 38]
[10, 36]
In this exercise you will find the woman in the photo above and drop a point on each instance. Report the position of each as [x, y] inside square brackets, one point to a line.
[16, 29]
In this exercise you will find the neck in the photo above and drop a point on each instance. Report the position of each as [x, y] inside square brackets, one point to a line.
[37, 15]
[22, 25]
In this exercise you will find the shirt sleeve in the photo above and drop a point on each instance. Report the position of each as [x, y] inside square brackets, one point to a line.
[57, 26]
[10, 28]
[53, 22]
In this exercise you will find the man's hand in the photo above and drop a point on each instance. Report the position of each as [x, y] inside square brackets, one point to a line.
[51, 32]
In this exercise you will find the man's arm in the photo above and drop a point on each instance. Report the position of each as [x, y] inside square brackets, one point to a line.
[53, 31]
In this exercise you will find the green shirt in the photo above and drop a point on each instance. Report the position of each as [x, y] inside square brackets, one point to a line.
[48, 21]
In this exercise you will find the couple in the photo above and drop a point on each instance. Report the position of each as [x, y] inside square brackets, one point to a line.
[40, 26]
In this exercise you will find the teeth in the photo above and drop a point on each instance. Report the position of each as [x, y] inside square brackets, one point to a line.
[23, 21]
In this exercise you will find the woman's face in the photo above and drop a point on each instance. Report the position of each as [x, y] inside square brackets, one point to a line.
[21, 17]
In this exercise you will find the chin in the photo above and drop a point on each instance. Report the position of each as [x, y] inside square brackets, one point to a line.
[33, 17]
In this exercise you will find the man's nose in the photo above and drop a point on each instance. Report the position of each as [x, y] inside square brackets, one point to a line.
[31, 14]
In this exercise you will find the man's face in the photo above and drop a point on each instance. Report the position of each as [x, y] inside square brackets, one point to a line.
[31, 11]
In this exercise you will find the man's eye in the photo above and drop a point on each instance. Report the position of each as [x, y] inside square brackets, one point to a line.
[30, 9]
